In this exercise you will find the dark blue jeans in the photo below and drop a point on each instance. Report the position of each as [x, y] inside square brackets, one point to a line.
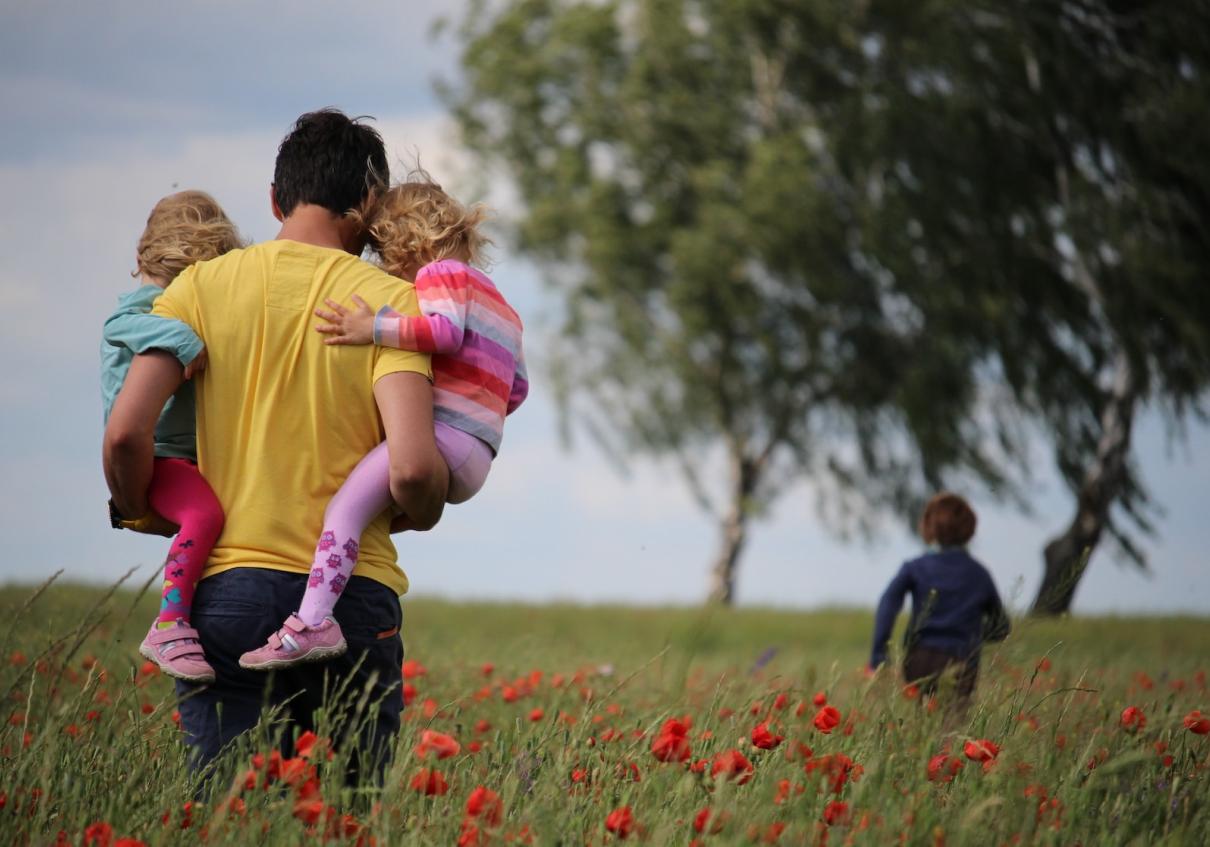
[236, 611]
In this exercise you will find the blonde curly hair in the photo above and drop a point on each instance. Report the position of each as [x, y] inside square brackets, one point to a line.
[415, 222]
[184, 228]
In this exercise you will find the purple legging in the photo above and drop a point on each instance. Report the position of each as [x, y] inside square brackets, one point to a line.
[365, 494]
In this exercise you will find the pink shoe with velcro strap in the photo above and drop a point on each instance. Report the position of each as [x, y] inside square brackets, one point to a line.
[296, 643]
[178, 652]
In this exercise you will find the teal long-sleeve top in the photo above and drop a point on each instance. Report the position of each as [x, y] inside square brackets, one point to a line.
[131, 330]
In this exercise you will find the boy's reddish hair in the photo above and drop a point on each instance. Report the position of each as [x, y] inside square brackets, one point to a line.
[948, 520]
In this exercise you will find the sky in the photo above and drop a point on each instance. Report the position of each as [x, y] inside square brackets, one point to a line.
[108, 109]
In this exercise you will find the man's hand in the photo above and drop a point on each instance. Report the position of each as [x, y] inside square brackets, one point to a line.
[198, 364]
[401, 523]
[152, 523]
[347, 326]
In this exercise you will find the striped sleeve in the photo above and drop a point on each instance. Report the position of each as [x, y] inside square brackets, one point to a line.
[520, 389]
[442, 292]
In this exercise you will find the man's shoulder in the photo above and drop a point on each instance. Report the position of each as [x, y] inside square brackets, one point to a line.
[354, 275]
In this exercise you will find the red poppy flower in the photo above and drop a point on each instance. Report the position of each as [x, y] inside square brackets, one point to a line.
[472, 836]
[836, 812]
[1133, 719]
[981, 750]
[1196, 723]
[485, 805]
[443, 745]
[482, 726]
[620, 822]
[943, 768]
[763, 738]
[99, 833]
[409, 693]
[780, 701]
[706, 822]
[309, 744]
[773, 832]
[413, 669]
[536, 714]
[629, 770]
[487, 668]
[429, 782]
[732, 764]
[836, 768]
[820, 699]
[827, 719]
[671, 743]
[296, 771]
[309, 811]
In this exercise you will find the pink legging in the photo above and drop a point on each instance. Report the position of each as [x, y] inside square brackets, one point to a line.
[180, 493]
[365, 494]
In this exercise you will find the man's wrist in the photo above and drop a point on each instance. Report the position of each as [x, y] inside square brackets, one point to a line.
[118, 519]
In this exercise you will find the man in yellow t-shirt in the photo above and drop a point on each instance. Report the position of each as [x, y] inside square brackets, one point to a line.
[282, 419]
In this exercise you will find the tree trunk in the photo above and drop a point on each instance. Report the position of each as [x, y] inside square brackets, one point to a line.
[1066, 556]
[734, 528]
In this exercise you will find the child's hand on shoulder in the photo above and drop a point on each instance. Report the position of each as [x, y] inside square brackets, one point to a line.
[347, 326]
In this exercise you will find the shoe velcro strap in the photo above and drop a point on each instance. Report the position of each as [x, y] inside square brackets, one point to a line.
[172, 633]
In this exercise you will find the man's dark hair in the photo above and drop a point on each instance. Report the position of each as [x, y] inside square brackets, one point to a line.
[329, 159]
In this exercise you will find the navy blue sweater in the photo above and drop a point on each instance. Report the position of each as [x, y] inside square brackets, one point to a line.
[955, 607]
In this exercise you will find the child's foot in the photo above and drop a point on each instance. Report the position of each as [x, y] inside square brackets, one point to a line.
[296, 643]
[178, 652]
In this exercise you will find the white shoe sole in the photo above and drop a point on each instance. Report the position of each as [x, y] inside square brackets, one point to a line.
[149, 654]
[315, 654]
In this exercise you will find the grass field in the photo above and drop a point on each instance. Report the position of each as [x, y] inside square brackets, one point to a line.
[565, 725]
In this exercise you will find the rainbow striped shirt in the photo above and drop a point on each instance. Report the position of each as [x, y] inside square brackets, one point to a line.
[475, 338]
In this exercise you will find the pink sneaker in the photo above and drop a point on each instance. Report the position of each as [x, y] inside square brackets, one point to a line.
[296, 643]
[178, 652]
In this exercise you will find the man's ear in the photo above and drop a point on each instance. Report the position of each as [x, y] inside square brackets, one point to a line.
[273, 203]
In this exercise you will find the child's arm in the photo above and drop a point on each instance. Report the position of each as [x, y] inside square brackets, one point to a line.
[888, 610]
[520, 388]
[142, 331]
[996, 625]
[442, 290]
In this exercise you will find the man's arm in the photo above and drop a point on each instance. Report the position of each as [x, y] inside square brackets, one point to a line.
[419, 476]
[129, 446]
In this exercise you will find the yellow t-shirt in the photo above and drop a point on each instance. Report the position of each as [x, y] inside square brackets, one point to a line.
[282, 418]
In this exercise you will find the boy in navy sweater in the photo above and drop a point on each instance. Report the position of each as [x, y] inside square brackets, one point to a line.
[955, 607]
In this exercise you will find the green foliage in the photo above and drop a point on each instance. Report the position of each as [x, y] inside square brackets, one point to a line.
[88, 738]
[864, 242]
[681, 173]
